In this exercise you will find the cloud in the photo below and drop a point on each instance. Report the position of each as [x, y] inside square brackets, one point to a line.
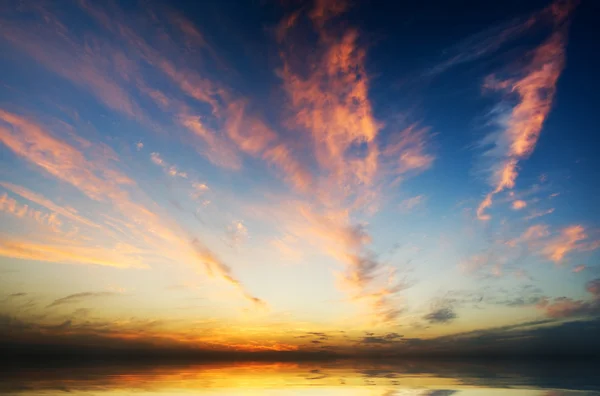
[54, 45]
[579, 268]
[237, 233]
[68, 213]
[55, 156]
[366, 279]
[16, 295]
[535, 214]
[410, 203]
[518, 204]
[534, 90]
[555, 246]
[169, 169]
[215, 267]
[218, 151]
[489, 41]
[441, 315]
[406, 152]
[569, 240]
[331, 104]
[79, 297]
[564, 307]
[11, 206]
[324, 10]
[65, 251]
[386, 339]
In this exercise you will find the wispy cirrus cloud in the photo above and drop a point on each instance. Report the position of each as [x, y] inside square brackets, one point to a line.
[512, 248]
[100, 182]
[69, 213]
[533, 88]
[215, 267]
[11, 206]
[53, 44]
[65, 251]
[537, 213]
[489, 41]
[411, 203]
[79, 297]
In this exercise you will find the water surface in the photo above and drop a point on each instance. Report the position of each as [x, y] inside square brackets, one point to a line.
[348, 378]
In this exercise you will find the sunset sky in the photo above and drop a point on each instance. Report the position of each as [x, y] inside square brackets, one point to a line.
[282, 175]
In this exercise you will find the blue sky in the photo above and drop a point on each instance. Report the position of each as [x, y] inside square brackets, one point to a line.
[236, 176]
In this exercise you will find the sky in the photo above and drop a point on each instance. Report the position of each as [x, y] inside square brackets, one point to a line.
[287, 176]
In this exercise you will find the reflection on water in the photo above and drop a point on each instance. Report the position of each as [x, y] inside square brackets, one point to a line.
[348, 378]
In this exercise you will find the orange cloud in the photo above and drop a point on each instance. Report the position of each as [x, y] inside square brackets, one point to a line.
[171, 170]
[579, 268]
[69, 213]
[294, 172]
[519, 204]
[254, 137]
[535, 90]
[55, 156]
[569, 240]
[101, 183]
[332, 105]
[50, 43]
[219, 151]
[66, 252]
[324, 10]
[216, 267]
[11, 206]
[250, 135]
[555, 248]
[564, 307]
[406, 153]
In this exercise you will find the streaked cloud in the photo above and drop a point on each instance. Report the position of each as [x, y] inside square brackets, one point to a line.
[535, 214]
[579, 268]
[10, 205]
[69, 213]
[215, 267]
[534, 87]
[150, 155]
[66, 251]
[411, 203]
[169, 169]
[489, 41]
[79, 297]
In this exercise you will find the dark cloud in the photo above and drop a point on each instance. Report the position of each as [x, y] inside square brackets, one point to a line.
[564, 307]
[388, 338]
[441, 315]
[441, 392]
[79, 297]
[15, 295]
[522, 301]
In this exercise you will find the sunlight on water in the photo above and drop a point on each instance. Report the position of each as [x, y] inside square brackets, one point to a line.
[318, 379]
